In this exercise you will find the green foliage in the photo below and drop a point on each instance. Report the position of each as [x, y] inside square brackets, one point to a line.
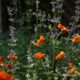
[28, 67]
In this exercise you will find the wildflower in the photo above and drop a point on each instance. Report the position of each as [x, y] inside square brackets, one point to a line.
[2, 64]
[72, 71]
[38, 43]
[62, 28]
[60, 55]
[5, 76]
[42, 39]
[15, 57]
[76, 39]
[70, 64]
[9, 66]
[10, 51]
[39, 55]
[1, 58]
[9, 57]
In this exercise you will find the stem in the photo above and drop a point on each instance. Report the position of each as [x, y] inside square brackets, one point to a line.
[54, 65]
[58, 35]
[43, 65]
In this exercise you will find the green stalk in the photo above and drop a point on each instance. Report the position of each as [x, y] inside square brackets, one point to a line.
[43, 64]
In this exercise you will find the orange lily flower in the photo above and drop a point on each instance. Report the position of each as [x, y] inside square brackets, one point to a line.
[39, 41]
[63, 28]
[5, 76]
[42, 39]
[60, 26]
[70, 64]
[60, 55]
[76, 39]
[39, 55]
[72, 71]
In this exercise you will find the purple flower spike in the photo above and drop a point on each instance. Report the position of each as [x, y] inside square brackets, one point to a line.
[10, 51]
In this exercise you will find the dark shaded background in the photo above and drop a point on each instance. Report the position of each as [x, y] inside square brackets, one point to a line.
[68, 6]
